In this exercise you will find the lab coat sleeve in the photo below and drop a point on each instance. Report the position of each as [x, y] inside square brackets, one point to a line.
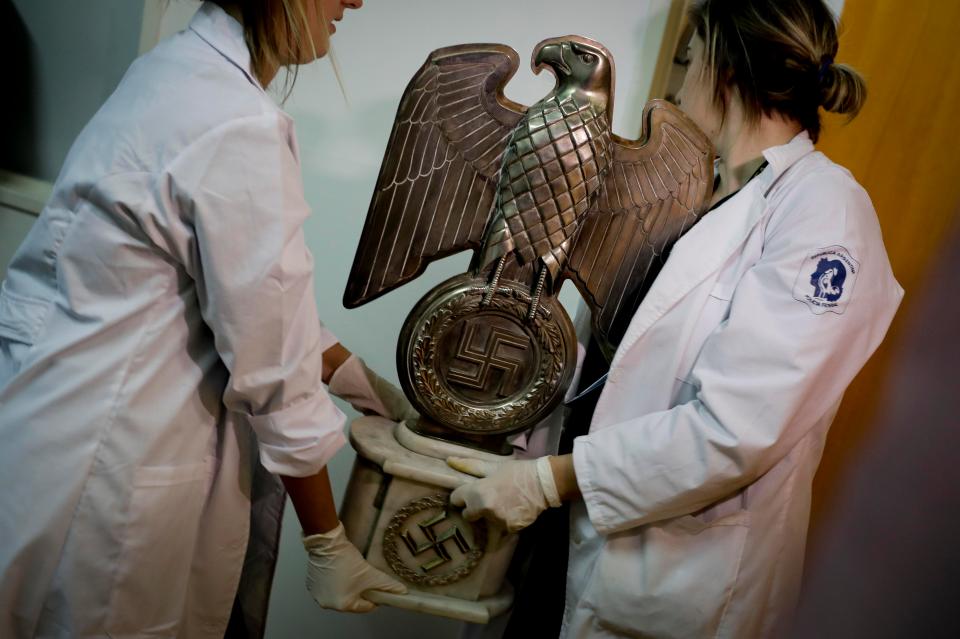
[239, 189]
[764, 377]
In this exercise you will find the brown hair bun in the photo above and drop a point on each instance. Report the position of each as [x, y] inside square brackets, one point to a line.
[844, 90]
[777, 57]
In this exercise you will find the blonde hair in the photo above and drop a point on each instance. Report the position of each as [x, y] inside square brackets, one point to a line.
[779, 57]
[277, 32]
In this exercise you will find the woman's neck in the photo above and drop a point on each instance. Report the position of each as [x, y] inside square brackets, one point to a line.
[741, 145]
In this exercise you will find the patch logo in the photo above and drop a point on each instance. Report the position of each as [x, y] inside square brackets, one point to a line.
[826, 278]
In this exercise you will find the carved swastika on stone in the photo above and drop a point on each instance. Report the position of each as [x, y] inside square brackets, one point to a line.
[401, 549]
[435, 542]
[491, 356]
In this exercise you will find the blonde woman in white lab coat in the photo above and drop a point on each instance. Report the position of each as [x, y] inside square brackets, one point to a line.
[690, 487]
[161, 355]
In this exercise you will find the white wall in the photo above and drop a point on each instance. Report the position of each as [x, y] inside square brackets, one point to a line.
[64, 59]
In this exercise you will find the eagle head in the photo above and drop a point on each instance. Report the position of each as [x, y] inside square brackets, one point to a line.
[580, 64]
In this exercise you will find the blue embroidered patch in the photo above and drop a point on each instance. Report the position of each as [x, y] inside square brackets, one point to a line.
[826, 278]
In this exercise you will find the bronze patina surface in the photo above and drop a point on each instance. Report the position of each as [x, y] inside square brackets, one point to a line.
[541, 195]
[484, 368]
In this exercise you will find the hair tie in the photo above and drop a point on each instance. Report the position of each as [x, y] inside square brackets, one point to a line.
[825, 63]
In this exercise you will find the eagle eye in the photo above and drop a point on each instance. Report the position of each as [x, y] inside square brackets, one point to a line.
[588, 58]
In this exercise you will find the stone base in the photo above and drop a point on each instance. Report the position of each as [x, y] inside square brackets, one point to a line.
[480, 611]
[396, 511]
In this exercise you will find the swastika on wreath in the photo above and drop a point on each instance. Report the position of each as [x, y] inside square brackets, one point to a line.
[491, 356]
[436, 542]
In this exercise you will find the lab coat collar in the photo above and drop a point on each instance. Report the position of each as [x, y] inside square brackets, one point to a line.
[221, 31]
[780, 158]
[705, 247]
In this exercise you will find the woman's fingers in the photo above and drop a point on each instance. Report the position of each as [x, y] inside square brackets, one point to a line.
[472, 466]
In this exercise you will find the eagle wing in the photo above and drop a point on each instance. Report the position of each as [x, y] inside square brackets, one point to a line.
[438, 179]
[655, 189]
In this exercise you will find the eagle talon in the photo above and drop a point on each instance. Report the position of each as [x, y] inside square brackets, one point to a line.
[494, 283]
[535, 302]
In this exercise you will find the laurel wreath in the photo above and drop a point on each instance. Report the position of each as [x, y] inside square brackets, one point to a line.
[391, 544]
[471, 418]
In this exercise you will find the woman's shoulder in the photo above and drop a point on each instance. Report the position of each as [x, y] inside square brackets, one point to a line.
[815, 190]
[173, 96]
[195, 76]
[816, 175]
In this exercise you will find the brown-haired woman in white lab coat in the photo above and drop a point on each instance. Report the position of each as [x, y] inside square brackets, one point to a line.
[689, 483]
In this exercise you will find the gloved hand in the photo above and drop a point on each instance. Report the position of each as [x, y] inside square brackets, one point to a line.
[369, 393]
[512, 493]
[338, 575]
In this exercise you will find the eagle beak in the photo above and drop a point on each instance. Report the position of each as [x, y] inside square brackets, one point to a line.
[550, 53]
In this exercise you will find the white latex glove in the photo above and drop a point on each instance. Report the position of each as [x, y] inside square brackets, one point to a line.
[512, 494]
[338, 575]
[369, 393]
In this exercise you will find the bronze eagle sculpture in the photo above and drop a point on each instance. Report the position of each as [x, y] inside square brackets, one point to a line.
[544, 193]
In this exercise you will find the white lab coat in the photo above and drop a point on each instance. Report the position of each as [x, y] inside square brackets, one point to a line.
[696, 472]
[158, 329]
